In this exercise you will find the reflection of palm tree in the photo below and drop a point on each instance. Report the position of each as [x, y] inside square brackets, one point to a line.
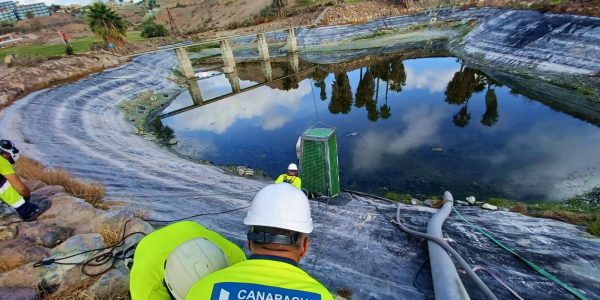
[372, 112]
[341, 95]
[463, 84]
[490, 117]
[397, 76]
[462, 118]
[290, 82]
[323, 94]
[386, 109]
[319, 75]
[365, 90]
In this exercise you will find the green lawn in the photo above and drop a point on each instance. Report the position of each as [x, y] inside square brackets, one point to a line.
[79, 45]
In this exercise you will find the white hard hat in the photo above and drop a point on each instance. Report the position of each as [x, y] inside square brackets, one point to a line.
[190, 262]
[10, 148]
[280, 206]
[293, 167]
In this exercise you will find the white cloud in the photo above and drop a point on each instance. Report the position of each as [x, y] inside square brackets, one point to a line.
[550, 160]
[422, 124]
[435, 80]
[272, 108]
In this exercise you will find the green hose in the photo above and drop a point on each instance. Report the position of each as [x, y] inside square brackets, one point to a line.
[539, 269]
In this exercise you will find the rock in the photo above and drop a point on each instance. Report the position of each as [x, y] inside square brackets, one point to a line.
[415, 201]
[18, 293]
[47, 192]
[489, 206]
[67, 277]
[172, 142]
[19, 251]
[34, 185]
[69, 211]
[249, 172]
[24, 276]
[111, 285]
[460, 202]
[427, 202]
[471, 200]
[43, 234]
[112, 220]
[7, 232]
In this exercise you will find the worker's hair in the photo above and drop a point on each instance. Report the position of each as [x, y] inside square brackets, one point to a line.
[278, 231]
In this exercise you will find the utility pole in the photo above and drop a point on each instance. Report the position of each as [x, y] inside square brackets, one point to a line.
[174, 31]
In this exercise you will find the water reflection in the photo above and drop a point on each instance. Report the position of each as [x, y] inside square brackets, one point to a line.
[407, 125]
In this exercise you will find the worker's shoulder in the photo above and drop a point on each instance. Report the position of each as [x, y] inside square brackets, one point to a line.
[5, 167]
[261, 276]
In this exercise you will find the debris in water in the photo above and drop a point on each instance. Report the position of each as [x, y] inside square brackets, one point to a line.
[436, 149]
[489, 206]
[353, 134]
[471, 200]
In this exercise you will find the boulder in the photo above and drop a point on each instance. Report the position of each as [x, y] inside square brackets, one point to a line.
[17, 252]
[46, 192]
[69, 211]
[61, 278]
[136, 225]
[24, 276]
[471, 200]
[18, 293]
[111, 285]
[43, 234]
[489, 206]
[112, 220]
[34, 185]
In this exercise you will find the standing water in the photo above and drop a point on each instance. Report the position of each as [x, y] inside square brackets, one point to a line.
[417, 126]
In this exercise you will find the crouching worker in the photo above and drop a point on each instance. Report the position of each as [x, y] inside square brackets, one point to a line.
[168, 261]
[291, 176]
[279, 222]
[12, 190]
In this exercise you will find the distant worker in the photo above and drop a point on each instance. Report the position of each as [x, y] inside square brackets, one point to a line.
[12, 190]
[168, 261]
[291, 176]
[280, 221]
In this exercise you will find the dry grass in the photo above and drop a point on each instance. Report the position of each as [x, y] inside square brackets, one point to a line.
[109, 234]
[7, 264]
[90, 191]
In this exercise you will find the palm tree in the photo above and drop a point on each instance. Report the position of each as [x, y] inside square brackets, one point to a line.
[106, 24]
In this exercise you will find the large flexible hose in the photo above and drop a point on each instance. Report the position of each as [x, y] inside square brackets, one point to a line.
[480, 284]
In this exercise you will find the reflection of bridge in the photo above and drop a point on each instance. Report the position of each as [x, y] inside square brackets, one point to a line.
[234, 82]
[229, 68]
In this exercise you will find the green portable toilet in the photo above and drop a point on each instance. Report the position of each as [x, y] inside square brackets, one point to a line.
[319, 161]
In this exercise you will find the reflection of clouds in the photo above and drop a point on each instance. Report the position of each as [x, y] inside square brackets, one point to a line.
[273, 108]
[552, 160]
[421, 127]
[435, 80]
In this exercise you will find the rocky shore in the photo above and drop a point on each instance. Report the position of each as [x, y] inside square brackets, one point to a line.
[69, 227]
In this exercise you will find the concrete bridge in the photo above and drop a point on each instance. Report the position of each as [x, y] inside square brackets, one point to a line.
[230, 70]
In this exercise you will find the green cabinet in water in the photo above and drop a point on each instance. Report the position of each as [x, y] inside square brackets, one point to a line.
[319, 162]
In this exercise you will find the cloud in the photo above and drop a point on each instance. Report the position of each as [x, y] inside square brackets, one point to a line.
[435, 80]
[550, 160]
[421, 127]
[272, 108]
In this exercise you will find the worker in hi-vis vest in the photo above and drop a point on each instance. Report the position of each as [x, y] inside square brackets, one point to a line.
[291, 176]
[12, 190]
[168, 261]
[280, 221]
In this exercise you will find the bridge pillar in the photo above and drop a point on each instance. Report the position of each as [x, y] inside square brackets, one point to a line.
[234, 80]
[227, 55]
[294, 64]
[266, 69]
[292, 47]
[185, 63]
[263, 47]
[195, 92]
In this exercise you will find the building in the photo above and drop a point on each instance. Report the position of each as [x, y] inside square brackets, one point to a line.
[37, 9]
[8, 11]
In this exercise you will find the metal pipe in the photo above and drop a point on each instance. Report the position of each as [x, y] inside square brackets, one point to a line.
[440, 241]
[446, 283]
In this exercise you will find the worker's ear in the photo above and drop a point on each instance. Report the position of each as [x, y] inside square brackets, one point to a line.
[304, 246]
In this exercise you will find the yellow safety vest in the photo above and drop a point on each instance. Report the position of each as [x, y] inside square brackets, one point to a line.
[293, 180]
[260, 277]
[147, 274]
[8, 193]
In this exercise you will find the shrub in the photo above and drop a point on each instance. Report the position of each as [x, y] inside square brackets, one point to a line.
[90, 191]
[69, 50]
[151, 30]
[594, 228]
